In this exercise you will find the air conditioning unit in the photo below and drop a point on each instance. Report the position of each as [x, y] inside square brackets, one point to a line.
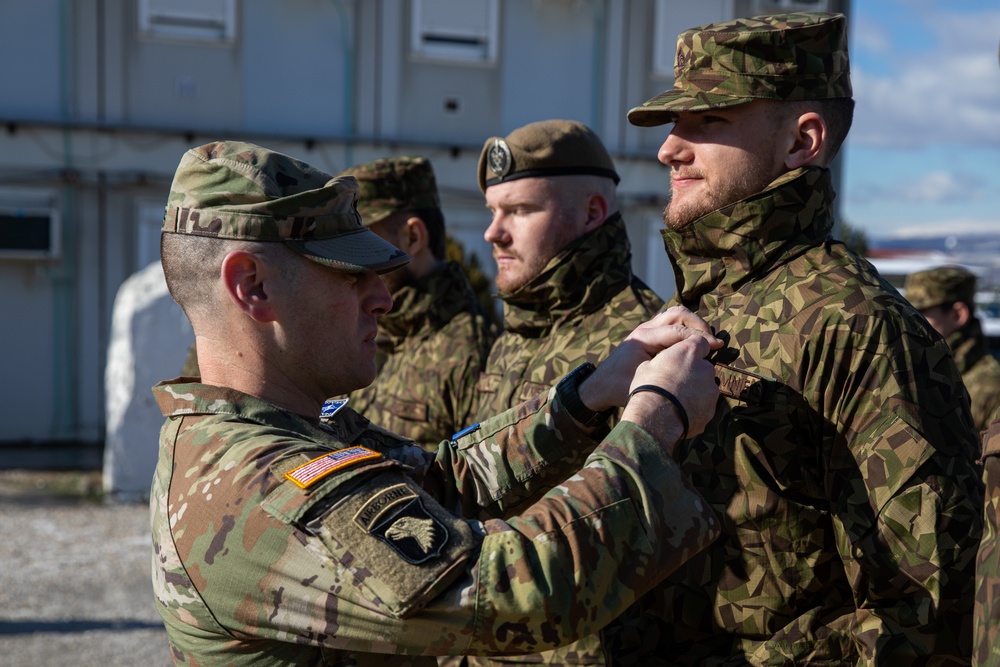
[31, 233]
[782, 6]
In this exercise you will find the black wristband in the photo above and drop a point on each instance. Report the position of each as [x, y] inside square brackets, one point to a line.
[681, 412]
[568, 391]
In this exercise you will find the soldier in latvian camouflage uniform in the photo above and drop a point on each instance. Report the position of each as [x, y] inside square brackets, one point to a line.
[564, 274]
[843, 458]
[986, 640]
[433, 344]
[281, 538]
[946, 297]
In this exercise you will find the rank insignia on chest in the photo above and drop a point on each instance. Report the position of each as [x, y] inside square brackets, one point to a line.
[397, 516]
[742, 385]
[311, 472]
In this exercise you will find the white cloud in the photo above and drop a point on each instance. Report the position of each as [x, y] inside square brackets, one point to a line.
[956, 227]
[948, 94]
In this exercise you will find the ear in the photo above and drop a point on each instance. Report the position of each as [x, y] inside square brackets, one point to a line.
[807, 140]
[242, 276]
[415, 236]
[962, 314]
[597, 211]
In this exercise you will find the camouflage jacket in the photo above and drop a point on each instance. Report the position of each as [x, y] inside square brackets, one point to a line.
[279, 539]
[431, 349]
[582, 304]
[980, 371]
[986, 641]
[846, 475]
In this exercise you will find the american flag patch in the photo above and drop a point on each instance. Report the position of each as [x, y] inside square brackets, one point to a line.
[308, 473]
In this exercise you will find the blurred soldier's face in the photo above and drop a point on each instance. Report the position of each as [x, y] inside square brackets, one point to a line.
[533, 220]
[719, 157]
[946, 319]
[393, 230]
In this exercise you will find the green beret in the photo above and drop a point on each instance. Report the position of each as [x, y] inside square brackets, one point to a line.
[544, 149]
[392, 185]
[801, 56]
[235, 190]
[942, 285]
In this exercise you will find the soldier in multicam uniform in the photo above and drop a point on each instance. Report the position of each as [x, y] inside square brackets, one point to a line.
[564, 274]
[946, 297]
[280, 538]
[434, 342]
[843, 458]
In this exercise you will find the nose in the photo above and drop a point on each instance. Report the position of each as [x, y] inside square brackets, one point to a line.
[377, 301]
[674, 150]
[496, 233]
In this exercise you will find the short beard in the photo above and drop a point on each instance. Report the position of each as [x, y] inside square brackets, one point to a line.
[753, 177]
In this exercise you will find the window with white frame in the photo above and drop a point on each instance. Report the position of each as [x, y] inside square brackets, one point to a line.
[672, 17]
[456, 30]
[212, 21]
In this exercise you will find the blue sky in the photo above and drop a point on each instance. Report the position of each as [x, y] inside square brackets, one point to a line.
[923, 156]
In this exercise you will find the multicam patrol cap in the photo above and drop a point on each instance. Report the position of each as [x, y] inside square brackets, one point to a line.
[941, 285]
[236, 190]
[392, 185]
[800, 56]
[543, 149]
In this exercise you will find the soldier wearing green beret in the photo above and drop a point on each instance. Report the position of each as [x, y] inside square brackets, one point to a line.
[843, 456]
[945, 296]
[289, 530]
[434, 342]
[564, 273]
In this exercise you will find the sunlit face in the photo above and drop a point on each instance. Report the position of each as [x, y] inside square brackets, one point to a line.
[721, 156]
[532, 222]
[329, 325]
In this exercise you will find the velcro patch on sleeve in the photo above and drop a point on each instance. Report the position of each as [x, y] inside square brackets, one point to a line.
[311, 472]
[408, 546]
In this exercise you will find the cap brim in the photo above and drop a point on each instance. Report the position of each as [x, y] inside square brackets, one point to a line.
[359, 250]
[663, 108]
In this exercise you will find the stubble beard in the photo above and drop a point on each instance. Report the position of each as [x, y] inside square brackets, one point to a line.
[753, 177]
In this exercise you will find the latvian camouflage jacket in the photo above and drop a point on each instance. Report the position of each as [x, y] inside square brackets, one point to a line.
[986, 641]
[980, 371]
[842, 462]
[280, 539]
[579, 308]
[431, 348]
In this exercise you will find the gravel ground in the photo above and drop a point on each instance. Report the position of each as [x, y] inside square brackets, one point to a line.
[74, 575]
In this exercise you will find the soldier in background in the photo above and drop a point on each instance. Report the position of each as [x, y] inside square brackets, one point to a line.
[843, 456]
[279, 538]
[945, 296]
[434, 342]
[564, 273]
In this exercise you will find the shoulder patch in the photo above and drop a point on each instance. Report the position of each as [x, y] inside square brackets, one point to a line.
[312, 471]
[397, 516]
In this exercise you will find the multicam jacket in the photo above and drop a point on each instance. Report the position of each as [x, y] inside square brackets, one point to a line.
[431, 349]
[986, 641]
[980, 371]
[582, 304]
[846, 475]
[577, 309]
[281, 540]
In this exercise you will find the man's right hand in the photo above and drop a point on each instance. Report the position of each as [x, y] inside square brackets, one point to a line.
[609, 386]
[682, 370]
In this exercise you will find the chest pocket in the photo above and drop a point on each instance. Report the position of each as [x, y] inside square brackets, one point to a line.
[413, 411]
[488, 383]
[530, 390]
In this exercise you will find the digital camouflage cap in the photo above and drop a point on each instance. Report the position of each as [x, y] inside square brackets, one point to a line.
[236, 190]
[543, 149]
[939, 286]
[800, 56]
[393, 185]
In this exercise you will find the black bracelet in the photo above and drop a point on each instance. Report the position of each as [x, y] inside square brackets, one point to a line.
[681, 412]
